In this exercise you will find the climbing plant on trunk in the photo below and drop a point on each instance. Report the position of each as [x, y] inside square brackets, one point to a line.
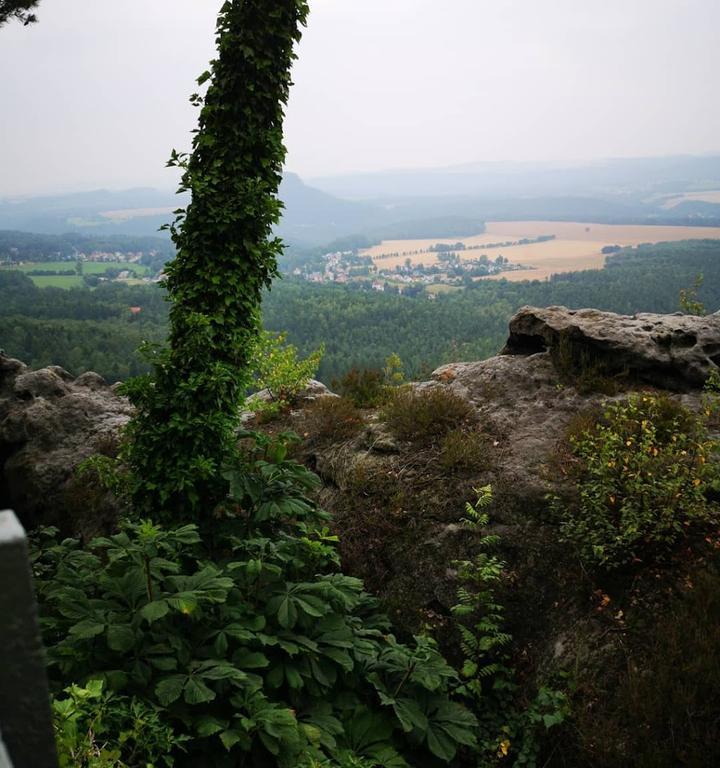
[226, 255]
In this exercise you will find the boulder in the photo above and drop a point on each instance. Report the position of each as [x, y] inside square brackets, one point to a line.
[675, 351]
[49, 423]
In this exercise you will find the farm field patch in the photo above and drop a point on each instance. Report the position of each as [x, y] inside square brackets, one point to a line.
[577, 245]
[57, 281]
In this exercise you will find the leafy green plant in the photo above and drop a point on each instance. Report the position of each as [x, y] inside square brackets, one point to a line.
[95, 728]
[394, 371]
[426, 414]
[277, 368]
[689, 303]
[509, 731]
[248, 640]
[641, 475]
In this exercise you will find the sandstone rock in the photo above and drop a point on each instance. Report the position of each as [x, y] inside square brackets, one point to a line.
[671, 351]
[49, 423]
[42, 383]
[91, 380]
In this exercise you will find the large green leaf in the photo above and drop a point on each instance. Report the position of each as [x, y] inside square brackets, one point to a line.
[87, 629]
[120, 637]
[196, 692]
[154, 611]
[170, 689]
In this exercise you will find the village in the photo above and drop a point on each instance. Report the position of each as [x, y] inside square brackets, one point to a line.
[343, 267]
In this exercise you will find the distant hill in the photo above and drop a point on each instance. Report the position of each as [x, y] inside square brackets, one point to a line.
[638, 178]
[311, 217]
[441, 202]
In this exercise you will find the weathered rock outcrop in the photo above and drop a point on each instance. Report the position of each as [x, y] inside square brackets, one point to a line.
[49, 422]
[672, 351]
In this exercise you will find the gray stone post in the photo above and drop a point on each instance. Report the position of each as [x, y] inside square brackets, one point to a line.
[25, 719]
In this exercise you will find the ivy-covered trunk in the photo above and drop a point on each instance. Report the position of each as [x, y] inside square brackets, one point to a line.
[226, 255]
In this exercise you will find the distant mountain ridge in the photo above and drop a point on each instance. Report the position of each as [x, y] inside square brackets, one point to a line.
[440, 202]
[635, 176]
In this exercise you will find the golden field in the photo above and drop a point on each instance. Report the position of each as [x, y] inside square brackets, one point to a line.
[577, 245]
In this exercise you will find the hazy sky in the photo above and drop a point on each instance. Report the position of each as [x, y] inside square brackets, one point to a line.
[96, 93]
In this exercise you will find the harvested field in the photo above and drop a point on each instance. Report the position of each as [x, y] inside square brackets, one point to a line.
[577, 245]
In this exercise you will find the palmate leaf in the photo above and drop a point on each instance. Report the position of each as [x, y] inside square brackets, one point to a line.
[207, 725]
[196, 692]
[87, 628]
[154, 610]
[170, 689]
[449, 726]
[120, 637]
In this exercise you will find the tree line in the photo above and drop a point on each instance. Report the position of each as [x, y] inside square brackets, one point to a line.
[82, 329]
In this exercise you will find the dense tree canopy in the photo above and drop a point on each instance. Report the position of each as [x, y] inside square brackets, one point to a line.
[82, 329]
[18, 9]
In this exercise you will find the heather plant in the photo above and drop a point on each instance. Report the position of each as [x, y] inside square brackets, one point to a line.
[330, 419]
[641, 472]
[426, 414]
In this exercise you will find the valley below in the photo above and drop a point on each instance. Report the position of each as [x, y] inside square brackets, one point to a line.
[567, 246]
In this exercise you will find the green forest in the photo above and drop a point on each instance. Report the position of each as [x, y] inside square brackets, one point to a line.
[81, 329]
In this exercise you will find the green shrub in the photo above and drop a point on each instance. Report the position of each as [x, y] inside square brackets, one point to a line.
[427, 413]
[641, 473]
[689, 303]
[98, 729]
[365, 387]
[370, 387]
[277, 368]
[330, 419]
[247, 639]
